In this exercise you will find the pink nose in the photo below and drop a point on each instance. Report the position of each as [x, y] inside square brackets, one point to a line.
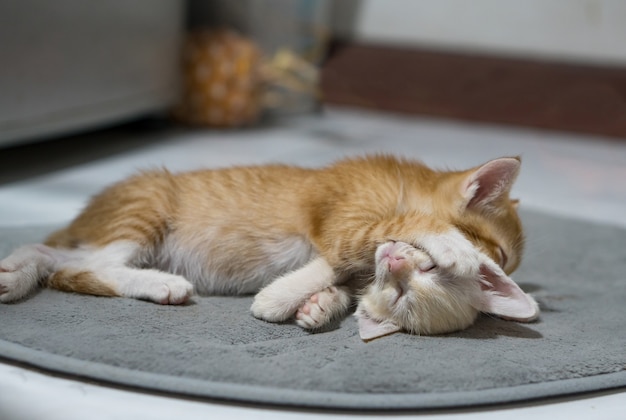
[396, 262]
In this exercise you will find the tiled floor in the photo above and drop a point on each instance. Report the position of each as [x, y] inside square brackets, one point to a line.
[575, 176]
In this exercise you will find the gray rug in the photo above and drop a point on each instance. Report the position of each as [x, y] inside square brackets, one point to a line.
[213, 348]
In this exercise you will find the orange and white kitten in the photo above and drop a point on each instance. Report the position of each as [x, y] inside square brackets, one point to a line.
[422, 251]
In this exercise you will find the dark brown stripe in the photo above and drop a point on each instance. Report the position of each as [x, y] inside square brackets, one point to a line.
[553, 95]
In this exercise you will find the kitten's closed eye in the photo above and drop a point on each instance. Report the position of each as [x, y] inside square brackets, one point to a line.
[427, 266]
[503, 257]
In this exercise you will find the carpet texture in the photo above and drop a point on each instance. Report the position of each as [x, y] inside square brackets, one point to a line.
[213, 348]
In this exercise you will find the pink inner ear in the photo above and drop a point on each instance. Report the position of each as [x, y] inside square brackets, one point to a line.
[370, 329]
[491, 180]
[501, 296]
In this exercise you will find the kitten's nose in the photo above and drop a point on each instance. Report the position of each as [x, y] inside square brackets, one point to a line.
[394, 258]
[396, 264]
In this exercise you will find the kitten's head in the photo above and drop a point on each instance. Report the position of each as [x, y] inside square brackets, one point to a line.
[412, 292]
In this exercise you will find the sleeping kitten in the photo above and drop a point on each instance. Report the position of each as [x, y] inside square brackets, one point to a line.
[423, 251]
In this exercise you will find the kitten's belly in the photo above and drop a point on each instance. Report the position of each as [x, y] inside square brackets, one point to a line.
[219, 266]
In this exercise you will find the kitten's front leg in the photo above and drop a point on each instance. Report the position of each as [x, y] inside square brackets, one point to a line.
[279, 300]
[324, 308]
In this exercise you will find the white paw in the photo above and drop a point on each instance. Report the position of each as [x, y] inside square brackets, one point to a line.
[174, 291]
[14, 285]
[319, 309]
[20, 273]
[452, 252]
[270, 308]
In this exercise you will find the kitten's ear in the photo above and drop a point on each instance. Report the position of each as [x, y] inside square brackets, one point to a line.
[370, 329]
[490, 182]
[499, 295]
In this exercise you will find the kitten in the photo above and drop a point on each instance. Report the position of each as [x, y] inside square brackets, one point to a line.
[423, 251]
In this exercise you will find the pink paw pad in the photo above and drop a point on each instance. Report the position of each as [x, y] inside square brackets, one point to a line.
[304, 310]
[312, 313]
[312, 302]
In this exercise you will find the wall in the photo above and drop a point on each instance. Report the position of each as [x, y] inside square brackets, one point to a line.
[579, 30]
[69, 65]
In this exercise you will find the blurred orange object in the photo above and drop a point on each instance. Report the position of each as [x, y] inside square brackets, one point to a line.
[221, 85]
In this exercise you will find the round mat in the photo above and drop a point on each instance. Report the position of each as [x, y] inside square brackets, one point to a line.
[213, 348]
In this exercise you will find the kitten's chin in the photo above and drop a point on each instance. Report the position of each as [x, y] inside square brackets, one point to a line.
[454, 323]
[397, 301]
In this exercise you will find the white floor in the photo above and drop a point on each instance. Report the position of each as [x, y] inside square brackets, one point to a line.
[571, 175]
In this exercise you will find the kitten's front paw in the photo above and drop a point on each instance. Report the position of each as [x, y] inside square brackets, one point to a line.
[269, 308]
[322, 308]
[452, 252]
[173, 291]
[312, 314]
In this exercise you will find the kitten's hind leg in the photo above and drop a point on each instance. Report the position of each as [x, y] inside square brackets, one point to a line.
[109, 271]
[23, 270]
[144, 284]
[149, 284]
[324, 308]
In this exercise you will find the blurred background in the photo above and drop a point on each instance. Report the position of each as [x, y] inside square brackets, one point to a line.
[75, 65]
